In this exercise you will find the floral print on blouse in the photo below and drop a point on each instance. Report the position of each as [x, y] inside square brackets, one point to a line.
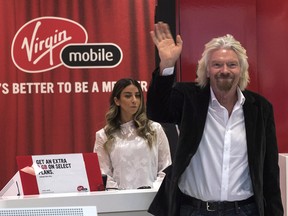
[131, 163]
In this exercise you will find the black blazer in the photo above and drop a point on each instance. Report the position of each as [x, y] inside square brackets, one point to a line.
[186, 105]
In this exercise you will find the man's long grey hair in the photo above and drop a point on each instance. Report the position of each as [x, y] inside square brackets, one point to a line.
[227, 42]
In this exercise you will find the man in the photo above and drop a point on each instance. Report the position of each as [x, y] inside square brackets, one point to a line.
[226, 162]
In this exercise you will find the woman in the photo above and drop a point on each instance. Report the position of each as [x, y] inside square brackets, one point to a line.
[133, 151]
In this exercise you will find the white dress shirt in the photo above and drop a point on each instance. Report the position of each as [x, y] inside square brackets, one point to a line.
[219, 170]
[131, 163]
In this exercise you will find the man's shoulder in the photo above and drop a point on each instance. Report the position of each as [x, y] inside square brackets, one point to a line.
[254, 97]
[190, 87]
[187, 84]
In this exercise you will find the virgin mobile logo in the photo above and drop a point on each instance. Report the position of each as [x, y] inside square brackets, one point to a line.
[98, 55]
[37, 45]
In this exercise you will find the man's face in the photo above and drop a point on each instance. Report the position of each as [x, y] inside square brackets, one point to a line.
[223, 70]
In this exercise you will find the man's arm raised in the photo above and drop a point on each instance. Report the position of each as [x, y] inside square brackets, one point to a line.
[168, 50]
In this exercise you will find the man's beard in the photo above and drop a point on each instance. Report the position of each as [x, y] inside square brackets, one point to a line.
[224, 82]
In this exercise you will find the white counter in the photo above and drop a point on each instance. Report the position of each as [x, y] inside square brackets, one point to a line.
[116, 203]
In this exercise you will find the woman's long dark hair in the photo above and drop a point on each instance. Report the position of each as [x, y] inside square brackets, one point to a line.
[141, 122]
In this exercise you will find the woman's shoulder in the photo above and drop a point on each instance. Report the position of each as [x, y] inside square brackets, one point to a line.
[101, 133]
[155, 125]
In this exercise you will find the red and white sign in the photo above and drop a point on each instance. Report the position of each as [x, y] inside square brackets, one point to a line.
[60, 173]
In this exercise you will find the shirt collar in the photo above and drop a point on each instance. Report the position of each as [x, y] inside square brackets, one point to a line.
[240, 100]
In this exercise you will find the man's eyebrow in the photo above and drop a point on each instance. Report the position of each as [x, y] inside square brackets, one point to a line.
[221, 61]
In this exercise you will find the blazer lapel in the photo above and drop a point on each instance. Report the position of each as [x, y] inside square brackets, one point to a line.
[250, 115]
[203, 102]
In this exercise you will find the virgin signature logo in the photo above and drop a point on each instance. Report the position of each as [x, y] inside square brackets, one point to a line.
[37, 45]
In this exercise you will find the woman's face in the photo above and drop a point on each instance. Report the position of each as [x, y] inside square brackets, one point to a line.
[129, 102]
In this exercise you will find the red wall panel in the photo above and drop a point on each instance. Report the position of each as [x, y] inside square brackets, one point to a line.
[261, 27]
[272, 47]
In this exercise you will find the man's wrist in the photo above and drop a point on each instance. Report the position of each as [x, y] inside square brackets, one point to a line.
[167, 71]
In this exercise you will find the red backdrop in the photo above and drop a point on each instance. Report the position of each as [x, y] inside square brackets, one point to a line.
[64, 120]
[261, 26]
